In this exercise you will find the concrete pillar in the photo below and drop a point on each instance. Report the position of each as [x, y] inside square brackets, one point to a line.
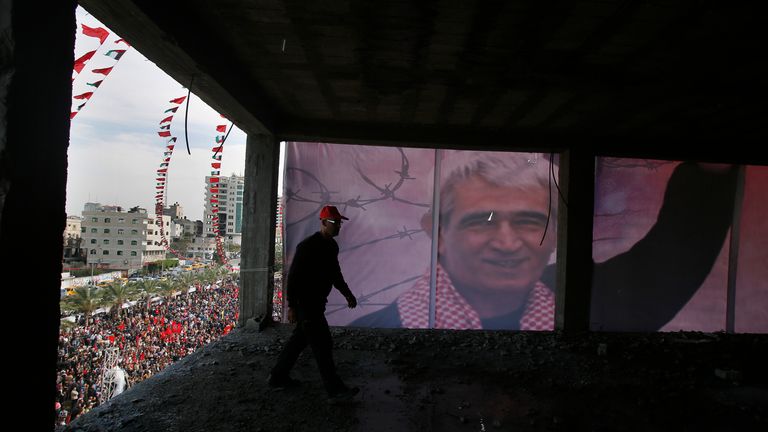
[36, 56]
[574, 253]
[259, 212]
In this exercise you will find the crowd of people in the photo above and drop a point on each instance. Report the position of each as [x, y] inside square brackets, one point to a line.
[148, 336]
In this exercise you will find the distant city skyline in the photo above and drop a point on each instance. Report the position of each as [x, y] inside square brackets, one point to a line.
[115, 148]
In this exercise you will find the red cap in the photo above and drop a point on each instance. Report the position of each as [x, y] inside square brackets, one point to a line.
[331, 212]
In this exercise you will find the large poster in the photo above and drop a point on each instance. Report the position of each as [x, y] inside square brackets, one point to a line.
[384, 192]
[663, 247]
[479, 263]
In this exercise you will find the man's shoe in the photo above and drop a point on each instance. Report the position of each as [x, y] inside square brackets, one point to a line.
[345, 395]
[282, 383]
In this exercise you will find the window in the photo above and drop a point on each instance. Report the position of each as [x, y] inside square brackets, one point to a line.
[120, 231]
[94, 230]
[106, 241]
[119, 242]
[121, 220]
[134, 221]
[133, 243]
[82, 230]
[93, 241]
[106, 252]
[133, 253]
[93, 251]
[134, 231]
[94, 219]
[107, 220]
[106, 230]
[120, 252]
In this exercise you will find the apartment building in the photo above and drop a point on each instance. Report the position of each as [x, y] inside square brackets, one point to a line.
[227, 203]
[72, 240]
[119, 239]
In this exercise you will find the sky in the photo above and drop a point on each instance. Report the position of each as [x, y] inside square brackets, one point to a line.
[115, 150]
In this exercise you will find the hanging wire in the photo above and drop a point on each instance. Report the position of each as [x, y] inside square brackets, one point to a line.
[186, 114]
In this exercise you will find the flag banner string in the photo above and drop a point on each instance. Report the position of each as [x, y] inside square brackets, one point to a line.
[213, 189]
[115, 52]
[161, 174]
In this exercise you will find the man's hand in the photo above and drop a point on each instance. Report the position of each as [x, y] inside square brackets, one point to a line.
[291, 316]
[351, 301]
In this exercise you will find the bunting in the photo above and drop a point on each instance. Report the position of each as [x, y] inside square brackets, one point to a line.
[115, 54]
[97, 32]
[82, 60]
[103, 71]
[161, 177]
[80, 63]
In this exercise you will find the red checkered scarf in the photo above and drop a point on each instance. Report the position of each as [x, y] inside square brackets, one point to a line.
[453, 312]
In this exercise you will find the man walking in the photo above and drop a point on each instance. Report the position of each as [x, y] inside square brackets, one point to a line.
[314, 271]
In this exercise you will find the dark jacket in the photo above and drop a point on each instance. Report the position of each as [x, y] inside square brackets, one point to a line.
[314, 271]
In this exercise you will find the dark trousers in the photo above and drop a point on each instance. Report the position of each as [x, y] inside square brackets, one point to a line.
[311, 329]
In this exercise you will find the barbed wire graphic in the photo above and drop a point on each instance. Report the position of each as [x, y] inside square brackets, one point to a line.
[363, 299]
[322, 195]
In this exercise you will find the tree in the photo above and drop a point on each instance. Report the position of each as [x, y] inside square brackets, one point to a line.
[84, 300]
[167, 289]
[148, 288]
[116, 294]
[186, 280]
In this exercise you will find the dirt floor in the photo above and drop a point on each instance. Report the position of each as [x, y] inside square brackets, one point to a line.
[420, 380]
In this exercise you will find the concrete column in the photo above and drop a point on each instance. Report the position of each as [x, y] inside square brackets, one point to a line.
[574, 252]
[259, 212]
[37, 43]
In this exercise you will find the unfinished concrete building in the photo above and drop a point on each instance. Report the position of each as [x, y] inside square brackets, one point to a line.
[585, 80]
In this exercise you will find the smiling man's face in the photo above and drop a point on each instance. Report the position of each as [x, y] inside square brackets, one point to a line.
[490, 243]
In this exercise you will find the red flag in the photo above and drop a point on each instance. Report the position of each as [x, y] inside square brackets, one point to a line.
[214, 179]
[80, 63]
[170, 147]
[86, 95]
[97, 32]
[214, 190]
[178, 100]
[72, 115]
[103, 71]
[216, 165]
[167, 119]
[221, 128]
[164, 133]
[123, 41]
[162, 170]
[218, 149]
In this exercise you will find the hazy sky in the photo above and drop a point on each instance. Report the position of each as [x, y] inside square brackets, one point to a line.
[114, 148]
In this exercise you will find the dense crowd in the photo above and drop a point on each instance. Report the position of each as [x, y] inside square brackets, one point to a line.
[149, 336]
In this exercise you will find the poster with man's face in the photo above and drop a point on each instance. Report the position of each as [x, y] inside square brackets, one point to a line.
[474, 264]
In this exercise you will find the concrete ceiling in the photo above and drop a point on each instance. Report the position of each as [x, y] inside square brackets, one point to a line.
[616, 75]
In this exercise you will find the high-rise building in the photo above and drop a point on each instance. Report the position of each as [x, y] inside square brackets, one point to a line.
[227, 202]
[116, 239]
